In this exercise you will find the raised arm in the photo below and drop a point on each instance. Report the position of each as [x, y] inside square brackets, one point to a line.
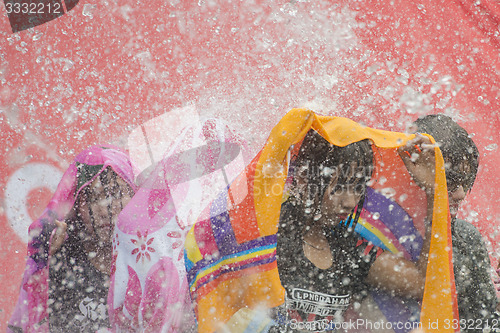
[392, 272]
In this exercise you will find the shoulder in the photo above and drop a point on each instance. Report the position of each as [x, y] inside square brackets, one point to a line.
[464, 225]
[467, 230]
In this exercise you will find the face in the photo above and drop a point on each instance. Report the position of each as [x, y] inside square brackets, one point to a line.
[341, 197]
[100, 205]
[459, 181]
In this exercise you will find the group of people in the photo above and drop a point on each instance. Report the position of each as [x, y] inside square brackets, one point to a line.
[109, 255]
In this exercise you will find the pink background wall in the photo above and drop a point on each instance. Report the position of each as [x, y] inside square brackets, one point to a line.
[96, 73]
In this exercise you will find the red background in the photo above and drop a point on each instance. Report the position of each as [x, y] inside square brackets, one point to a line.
[106, 67]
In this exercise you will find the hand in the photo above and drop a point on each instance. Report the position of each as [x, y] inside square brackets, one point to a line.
[418, 157]
[58, 237]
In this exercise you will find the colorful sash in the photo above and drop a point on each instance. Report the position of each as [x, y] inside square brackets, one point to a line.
[230, 251]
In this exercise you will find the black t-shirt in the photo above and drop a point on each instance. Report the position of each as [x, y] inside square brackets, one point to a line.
[476, 294]
[317, 298]
[77, 293]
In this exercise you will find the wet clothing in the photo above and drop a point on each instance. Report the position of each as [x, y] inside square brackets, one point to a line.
[77, 293]
[317, 298]
[476, 294]
[31, 313]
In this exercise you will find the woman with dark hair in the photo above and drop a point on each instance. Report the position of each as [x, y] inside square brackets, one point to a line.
[79, 270]
[323, 263]
[66, 281]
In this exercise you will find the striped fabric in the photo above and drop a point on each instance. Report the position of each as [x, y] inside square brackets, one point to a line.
[389, 226]
[222, 257]
[230, 252]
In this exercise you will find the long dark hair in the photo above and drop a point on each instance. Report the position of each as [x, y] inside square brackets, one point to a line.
[77, 233]
[313, 165]
[318, 161]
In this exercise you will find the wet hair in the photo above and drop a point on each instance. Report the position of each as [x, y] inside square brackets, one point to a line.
[318, 161]
[456, 146]
[106, 177]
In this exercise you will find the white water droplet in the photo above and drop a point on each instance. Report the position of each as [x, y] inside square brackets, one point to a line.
[88, 10]
[38, 36]
[388, 192]
[406, 238]
[491, 147]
